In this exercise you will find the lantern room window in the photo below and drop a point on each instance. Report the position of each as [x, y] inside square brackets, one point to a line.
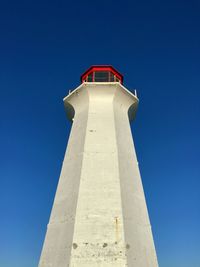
[102, 74]
[90, 77]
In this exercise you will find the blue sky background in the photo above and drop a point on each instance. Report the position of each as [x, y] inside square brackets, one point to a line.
[44, 47]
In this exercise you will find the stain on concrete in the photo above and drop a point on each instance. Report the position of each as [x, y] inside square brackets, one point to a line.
[116, 229]
[105, 245]
[74, 246]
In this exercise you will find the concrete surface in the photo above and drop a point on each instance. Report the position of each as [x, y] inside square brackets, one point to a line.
[99, 216]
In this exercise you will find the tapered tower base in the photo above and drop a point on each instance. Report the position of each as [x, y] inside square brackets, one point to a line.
[99, 216]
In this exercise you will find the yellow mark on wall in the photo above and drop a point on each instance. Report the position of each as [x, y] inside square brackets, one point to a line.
[117, 229]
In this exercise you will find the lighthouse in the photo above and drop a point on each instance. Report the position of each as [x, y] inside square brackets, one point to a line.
[99, 216]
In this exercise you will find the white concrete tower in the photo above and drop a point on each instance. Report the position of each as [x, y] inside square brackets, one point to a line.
[99, 216]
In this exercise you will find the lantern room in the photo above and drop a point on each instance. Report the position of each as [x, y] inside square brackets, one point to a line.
[101, 73]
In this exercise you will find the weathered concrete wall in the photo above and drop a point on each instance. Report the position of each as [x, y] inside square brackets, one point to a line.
[99, 216]
[140, 248]
[58, 241]
[98, 233]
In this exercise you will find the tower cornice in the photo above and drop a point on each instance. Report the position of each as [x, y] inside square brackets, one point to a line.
[79, 97]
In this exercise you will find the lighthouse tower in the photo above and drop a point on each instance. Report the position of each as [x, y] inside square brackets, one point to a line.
[99, 216]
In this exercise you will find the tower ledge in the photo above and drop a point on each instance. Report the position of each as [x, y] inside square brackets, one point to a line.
[116, 90]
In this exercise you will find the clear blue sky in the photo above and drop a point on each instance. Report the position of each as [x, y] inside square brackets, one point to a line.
[44, 47]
